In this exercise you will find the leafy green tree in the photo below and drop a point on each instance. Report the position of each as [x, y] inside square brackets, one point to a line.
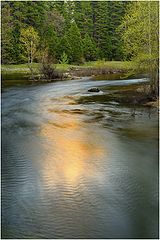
[141, 38]
[30, 39]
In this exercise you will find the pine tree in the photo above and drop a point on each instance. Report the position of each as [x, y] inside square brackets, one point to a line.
[6, 37]
[68, 13]
[83, 17]
[63, 46]
[35, 13]
[116, 11]
[101, 29]
[75, 42]
[89, 48]
[50, 41]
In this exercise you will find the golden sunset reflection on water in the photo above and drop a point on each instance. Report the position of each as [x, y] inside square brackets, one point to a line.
[70, 150]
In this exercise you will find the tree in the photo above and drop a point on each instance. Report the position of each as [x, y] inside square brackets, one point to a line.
[24, 14]
[63, 45]
[68, 13]
[116, 11]
[19, 10]
[83, 17]
[64, 58]
[33, 13]
[54, 19]
[30, 39]
[50, 41]
[6, 37]
[75, 42]
[100, 28]
[141, 38]
[89, 48]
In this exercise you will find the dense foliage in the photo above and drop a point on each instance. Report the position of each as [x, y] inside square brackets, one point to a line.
[140, 35]
[79, 30]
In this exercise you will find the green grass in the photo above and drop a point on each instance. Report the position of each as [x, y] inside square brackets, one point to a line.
[117, 65]
[19, 68]
[64, 67]
[23, 68]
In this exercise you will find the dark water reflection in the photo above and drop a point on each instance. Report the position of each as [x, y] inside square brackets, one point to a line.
[77, 167]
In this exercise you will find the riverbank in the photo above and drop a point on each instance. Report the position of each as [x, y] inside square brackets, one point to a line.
[109, 70]
[134, 95]
[69, 71]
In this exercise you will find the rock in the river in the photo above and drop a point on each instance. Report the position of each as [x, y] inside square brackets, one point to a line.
[94, 90]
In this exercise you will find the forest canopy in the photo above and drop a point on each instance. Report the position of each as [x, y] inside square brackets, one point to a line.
[79, 30]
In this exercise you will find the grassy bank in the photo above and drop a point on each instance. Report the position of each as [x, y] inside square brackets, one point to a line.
[88, 68]
[20, 74]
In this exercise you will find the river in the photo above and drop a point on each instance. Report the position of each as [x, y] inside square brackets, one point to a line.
[76, 164]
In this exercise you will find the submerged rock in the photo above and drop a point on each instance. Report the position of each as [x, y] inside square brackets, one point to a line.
[94, 90]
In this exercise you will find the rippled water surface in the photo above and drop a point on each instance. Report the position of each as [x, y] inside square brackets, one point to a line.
[77, 164]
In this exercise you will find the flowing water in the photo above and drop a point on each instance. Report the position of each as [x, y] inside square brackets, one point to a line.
[77, 164]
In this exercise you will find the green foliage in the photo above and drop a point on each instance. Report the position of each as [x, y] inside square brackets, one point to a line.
[75, 42]
[68, 11]
[63, 46]
[54, 22]
[101, 24]
[30, 39]
[140, 29]
[116, 11]
[6, 37]
[141, 38]
[83, 17]
[89, 48]
[50, 42]
[64, 58]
